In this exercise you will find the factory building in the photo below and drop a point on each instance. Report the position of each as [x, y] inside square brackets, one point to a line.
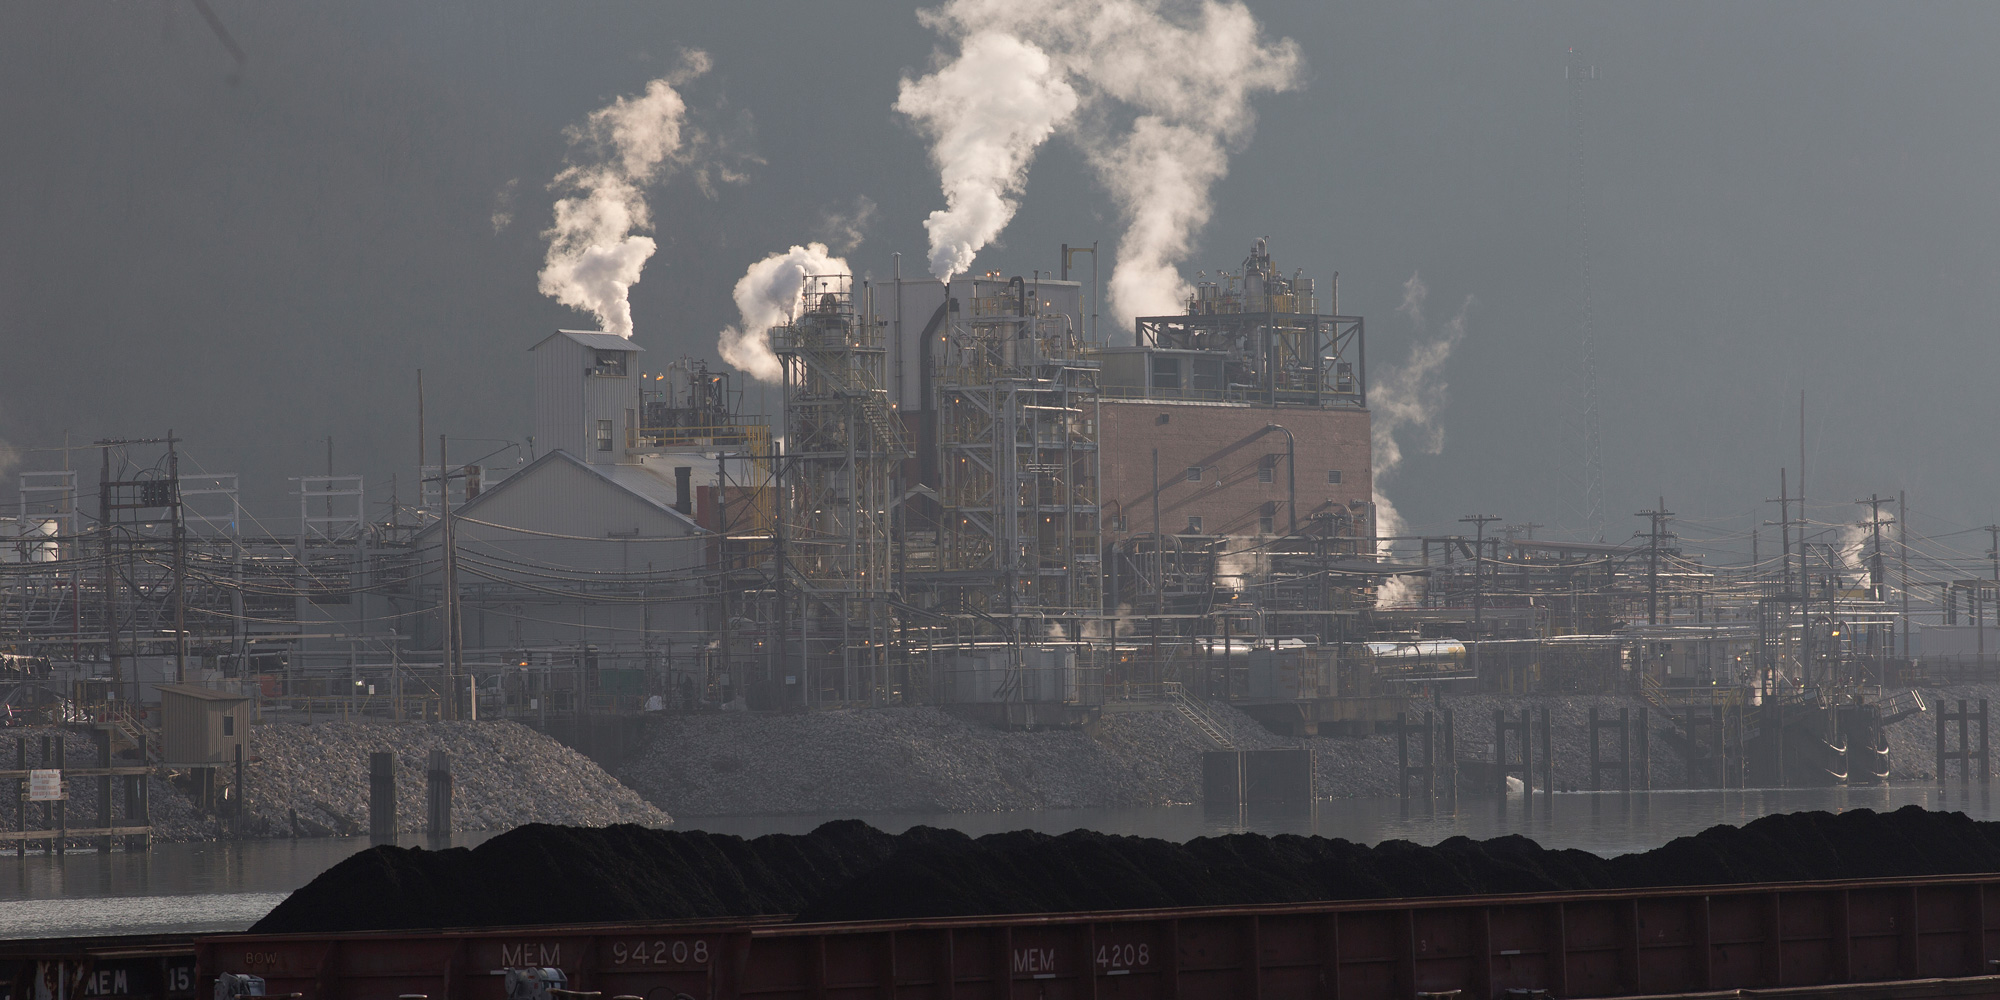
[1236, 444]
[582, 579]
[1187, 468]
[535, 550]
[968, 498]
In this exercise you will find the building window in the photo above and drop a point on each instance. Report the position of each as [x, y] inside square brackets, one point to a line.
[1167, 373]
[1265, 523]
[1333, 477]
[1267, 469]
[604, 435]
[609, 363]
[1194, 524]
[229, 725]
[1194, 474]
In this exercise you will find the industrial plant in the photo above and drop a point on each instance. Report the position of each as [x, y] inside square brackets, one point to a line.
[968, 496]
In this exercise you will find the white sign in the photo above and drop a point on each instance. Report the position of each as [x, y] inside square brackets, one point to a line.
[45, 785]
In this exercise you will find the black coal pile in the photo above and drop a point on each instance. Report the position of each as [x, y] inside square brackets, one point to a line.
[849, 871]
[542, 874]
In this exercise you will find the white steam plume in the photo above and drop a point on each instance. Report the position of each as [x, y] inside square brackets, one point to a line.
[986, 112]
[845, 230]
[766, 296]
[1183, 71]
[1191, 81]
[1408, 400]
[10, 456]
[595, 255]
[1854, 552]
[1160, 175]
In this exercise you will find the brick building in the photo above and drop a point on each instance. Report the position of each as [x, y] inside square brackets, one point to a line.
[1229, 468]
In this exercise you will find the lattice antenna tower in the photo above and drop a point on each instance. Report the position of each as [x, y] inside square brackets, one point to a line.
[1581, 74]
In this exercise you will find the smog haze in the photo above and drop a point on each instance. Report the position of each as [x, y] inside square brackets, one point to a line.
[1780, 197]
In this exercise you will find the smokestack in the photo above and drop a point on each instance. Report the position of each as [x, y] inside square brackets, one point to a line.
[684, 489]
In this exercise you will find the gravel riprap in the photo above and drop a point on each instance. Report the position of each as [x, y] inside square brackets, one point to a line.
[889, 760]
[920, 760]
[1913, 741]
[312, 780]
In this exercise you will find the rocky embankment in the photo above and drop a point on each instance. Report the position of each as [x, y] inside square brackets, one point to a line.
[312, 781]
[925, 760]
[1913, 741]
[917, 760]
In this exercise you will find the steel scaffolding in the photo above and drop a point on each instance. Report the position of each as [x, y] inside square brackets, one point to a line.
[1018, 419]
[842, 446]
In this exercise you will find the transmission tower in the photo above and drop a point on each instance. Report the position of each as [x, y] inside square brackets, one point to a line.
[1581, 73]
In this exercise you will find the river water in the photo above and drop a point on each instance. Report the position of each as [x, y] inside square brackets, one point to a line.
[228, 886]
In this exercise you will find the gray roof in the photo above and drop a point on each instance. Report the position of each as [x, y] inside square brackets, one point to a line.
[642, 483]
[594, 339]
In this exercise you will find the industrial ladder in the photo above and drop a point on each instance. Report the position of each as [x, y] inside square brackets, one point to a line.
[1202, 720]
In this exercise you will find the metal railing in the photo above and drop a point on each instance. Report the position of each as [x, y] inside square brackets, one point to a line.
[756, 437]
[1324, 397]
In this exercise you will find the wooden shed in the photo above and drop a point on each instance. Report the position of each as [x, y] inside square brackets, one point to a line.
[202, 727]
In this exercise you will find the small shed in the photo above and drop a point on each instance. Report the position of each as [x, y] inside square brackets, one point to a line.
[202, 727]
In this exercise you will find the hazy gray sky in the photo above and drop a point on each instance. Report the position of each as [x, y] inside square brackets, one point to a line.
[1784, 196]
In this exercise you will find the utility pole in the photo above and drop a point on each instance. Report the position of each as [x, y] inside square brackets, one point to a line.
[1581, 76]
[1978, 600]
[180, 561]
[1875, 522]
[1658, 515]
[420, 446]
[110, 572]
[448, 705]
[780, 561]
[1479, 523]
[723, 560]
[1877, 582]
[1903, 557]
[1784, 523]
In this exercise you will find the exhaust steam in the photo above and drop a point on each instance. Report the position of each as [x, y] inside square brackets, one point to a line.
[595, 252]
[986, 113]
[1156, 93]
[766, 296]
[1408, 400]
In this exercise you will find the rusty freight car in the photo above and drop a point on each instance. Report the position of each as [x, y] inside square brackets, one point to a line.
[1924, 937]
[1884, 938]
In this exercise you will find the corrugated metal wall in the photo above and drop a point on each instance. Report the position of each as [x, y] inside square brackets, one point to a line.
[607, 531]
[559, 379]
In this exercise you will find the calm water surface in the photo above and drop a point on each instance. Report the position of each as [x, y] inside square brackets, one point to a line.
[227, 886]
